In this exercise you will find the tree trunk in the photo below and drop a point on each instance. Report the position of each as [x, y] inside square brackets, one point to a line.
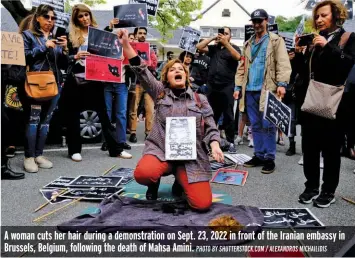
[17, 10]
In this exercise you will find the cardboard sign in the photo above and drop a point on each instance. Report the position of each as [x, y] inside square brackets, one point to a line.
[189, 39]
[249, 30]
[104, 43]
[152, 5]
[99, 68]
[286, 217]
[142, 49]
[131, 15]
[95, 181]
[277, 113]
[12, 49]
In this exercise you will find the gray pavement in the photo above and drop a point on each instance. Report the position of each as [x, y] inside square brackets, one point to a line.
[280, 189]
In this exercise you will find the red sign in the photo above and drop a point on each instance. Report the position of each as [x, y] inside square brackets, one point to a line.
[99, 68]
[142, 49]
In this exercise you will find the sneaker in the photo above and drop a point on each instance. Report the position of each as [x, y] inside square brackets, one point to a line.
[308, 195]
[10, 152]
[254, 162]
[300, 162]
[30, 165]
[324, 200]
[239, 140]
[43, 162]
[269, 167]
[126, 146]
[76, 157]
[232, 149]
[251, 143]
[223, 134]
[124, 155]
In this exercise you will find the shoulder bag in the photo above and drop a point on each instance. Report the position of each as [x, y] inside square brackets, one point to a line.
[323, 99]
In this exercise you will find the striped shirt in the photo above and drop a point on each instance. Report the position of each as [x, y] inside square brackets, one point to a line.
[257, 68]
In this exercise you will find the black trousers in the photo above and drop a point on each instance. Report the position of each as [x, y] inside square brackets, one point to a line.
[325, 137]
[221, 100]
[5, 126]
[73, 94]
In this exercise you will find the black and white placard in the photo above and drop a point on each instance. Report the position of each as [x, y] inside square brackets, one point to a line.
[290, 217]
[189, 39]
[131, 15]
[126, 173]
[277, 113]
[152, 5]
[271, 19]
[59, 183]
[96, 193]
[95, 181]
[288, 43]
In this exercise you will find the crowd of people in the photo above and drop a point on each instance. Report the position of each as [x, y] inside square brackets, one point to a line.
[221, 85]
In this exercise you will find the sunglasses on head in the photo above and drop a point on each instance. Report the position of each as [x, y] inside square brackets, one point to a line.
[49, 17]
[82, 15]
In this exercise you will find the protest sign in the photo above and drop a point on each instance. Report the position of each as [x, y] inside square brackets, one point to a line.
[95, 181]
[289, 43]
[12, 48]
[131, 15]
[271, 19]
[249, 30]
[97, 193]
[99, 68]
[152, 5]
[277, 113]
[189, 39]
[142, 49]
[104, 43]
[349, 6]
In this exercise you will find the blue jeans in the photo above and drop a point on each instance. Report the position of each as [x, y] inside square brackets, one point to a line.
[116, 95]
[264, 132]
[40, 115]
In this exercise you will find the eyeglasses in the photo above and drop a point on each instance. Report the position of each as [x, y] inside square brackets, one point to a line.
[82, 15]
[49, 17]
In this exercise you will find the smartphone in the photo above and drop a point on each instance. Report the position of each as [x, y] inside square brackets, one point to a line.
[221, 31]
[59, 31]
[306, 40]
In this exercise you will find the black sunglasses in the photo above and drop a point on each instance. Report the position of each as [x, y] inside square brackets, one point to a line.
[82, 15]
[49, 17]
[257, 20]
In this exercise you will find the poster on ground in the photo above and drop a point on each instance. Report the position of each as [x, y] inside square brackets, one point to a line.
[99, 68]
[131, 15]
[12, 48]
[189, 39]
[152, 5]
[277, 113]
[142, 49]
[104, 43]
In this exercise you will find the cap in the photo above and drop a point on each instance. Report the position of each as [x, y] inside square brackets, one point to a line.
[259, 14]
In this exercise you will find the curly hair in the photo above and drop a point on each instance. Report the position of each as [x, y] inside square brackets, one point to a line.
[164, 73]
[339, 12]
[76, 34]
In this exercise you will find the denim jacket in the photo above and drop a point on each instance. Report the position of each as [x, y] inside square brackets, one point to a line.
[41, 58]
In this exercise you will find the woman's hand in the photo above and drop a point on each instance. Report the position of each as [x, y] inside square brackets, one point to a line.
[63, 42]
[217, 153]
[50, 43]
[319, 41]
[114, 22]
[122, 35]
[81, 54]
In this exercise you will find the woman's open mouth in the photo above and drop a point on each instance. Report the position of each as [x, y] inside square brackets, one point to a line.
[178, 78]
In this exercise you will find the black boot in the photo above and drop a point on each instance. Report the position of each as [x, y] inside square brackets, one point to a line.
[292, 150]
[8, 174]
[152, 191]
[177, 189]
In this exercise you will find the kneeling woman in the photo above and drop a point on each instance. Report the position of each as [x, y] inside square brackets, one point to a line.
[174, 98]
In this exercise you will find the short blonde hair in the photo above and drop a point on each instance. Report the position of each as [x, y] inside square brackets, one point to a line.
[164, 73]
[339, 12]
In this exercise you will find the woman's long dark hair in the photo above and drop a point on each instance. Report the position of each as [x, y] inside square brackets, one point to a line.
[41, 10]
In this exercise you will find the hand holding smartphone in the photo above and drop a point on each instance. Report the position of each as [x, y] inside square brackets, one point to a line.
[305, 40]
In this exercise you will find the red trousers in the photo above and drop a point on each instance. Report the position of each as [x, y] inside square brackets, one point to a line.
[150, 169]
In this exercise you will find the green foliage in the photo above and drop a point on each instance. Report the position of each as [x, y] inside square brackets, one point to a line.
[308, 26]
[68, 4]
[173, 14]
[288, 24]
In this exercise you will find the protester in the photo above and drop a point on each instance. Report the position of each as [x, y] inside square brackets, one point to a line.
[42, 53]
[269, 68]
[187, 59]
[77, 88]
[169, 56]
[330, 64]
[200, 69]
[141, 34]
[224, 62]
[174, 98]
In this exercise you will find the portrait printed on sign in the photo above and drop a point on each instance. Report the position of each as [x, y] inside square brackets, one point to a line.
[189, 39]
[152, 5]
[131, 15]
[180, 138]
[103, 43]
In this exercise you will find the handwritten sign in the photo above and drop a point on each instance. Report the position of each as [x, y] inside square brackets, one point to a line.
[99, 68]
[95, 181]
[189, 39]
[12, 48]
[60, 183]
[152, 5]
[126, 173]
[131, 15]
[104, 43]
[180, 139]
[238, 158]
[96, 193]
[277, 113]
[286, 217]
